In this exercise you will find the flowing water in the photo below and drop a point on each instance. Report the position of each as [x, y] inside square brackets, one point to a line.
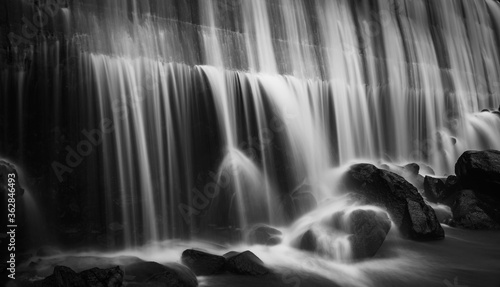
[217, 109]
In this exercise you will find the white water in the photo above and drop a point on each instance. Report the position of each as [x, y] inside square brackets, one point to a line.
[285, 90]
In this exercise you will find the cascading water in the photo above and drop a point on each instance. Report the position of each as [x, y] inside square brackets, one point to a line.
[217, 109]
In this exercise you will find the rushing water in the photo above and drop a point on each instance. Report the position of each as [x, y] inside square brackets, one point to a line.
[219, 108]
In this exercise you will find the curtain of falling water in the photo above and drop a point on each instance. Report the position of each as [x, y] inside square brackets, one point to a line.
[220, 108]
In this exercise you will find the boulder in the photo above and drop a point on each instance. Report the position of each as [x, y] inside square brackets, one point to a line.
[64, 276]
[141, 271]
[415, 219]
[480, 171]
[175, 275]
[308, 241]
[202, 263]
[470, 212]
[264, 235]
[96, 277]
[246, 263]
[411, 169]
[434, 188]
[368, 229]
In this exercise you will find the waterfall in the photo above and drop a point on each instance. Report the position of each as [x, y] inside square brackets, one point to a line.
[204, 114]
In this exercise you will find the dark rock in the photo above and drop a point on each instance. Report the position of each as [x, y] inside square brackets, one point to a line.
[308, 241]
[480, 171]
[472, 213]
[368, 229]
[246, 263]
[434, 188]
[485, 111]
[95, 277]
[175, 275]
[202, 263]
[407, 209]
[411, 168]
[141, 271]
[264, 235]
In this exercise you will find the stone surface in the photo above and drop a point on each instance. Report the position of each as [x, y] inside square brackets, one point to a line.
[368, 229]
[434, 188]
[203, 263]
[264, 235]
[405, 205]
[95, 277]
[470, 212]
[480, 171]
[246, 263]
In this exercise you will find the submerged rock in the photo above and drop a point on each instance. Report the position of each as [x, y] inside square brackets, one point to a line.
[364, 229]
[299, 202]
[202, 263]
[407, 209]
[264, 235]
[245, 263]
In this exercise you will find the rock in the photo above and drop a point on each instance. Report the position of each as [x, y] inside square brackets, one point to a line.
[485, 111]
[308, 242]
[407, 209]
[434, 188]
[202, 263]
[480, 171]
[246, 263]
[95, 277]
[411, 169]
[299, 202]
[141, 271]
[368, 229]
[264, 235]
[175, 275]
[472, 213]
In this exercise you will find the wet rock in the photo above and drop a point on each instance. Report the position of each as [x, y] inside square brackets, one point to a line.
[95, 277]
[141, 271]
[411, 169]
[308, 242]
[368, 229]
[246, 263]
[480, 171]
[174, 275]
[264, 235]
[202, 263]
[411, 215]
[299, 202]
[434, 188]
[470, 212]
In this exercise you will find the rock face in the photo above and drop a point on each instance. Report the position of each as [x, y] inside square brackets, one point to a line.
[174, 275]
[480, 171]
[264, 235]
[202, 263]
[472, 213]
[405, 205]
[368, 229]
[245, 263]
[434, 189]
[95, 277]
